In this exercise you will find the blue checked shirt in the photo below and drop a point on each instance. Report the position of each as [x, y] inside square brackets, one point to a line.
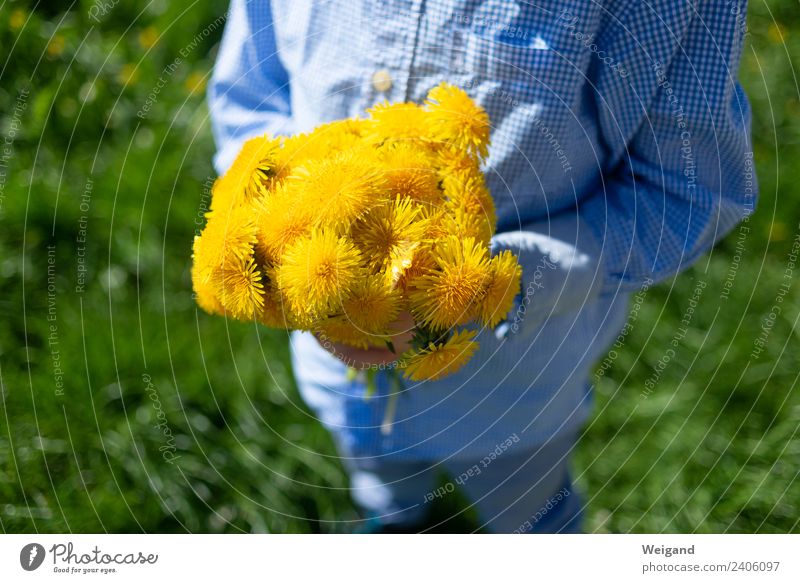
[620, 154]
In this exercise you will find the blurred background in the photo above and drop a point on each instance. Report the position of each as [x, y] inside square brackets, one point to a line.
[125, 409]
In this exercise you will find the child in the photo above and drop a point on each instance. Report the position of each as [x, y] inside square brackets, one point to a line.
[620, 149]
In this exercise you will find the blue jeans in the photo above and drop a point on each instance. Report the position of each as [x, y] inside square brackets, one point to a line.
[523, 492]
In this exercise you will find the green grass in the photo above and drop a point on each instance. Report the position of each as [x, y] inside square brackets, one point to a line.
[714, 446]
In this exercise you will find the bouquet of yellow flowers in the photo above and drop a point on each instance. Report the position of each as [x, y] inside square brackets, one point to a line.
[341, 230]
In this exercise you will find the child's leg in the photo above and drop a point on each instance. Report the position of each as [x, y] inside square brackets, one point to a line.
[528, 491]
[389, 491]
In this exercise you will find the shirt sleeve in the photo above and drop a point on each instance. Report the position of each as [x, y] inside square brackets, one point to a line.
[685, 181]
[249, 90]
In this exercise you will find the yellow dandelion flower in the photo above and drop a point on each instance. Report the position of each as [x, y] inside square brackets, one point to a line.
[203, 256]
[458, 221]
[342, 229]
[318, 271]
[467, 191]
[401, 263]
[441, 359]
[371, 306]
[226, 236]
[339, 189]
[409, 172]
[148, 37]
[204, 292]
[398, 121]
[17, 19]
[280, 220]
[237, 283]
[128, 74]
[776, 231]
[55, 46]
[444, 297]
[461, 174]
[299, 151]
[341, 135]
[501, 289]
[251, 174]
[273, 312]
[438, 223]
[455, 119]
[388, 231]
[777, 33]
[195, 82]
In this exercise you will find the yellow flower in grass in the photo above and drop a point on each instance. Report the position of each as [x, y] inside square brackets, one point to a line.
[338, 329]
[251, 174]
[501, 289]
[280, 219]
[441, 359]
[224, 266]
[388, 231]
[450, 160]
[340, 190]
[398, 121]
[445, 296]
[409, 172]
[438, 223]
[455, 119]
[341, 135]
[318, 272]
[413, 261]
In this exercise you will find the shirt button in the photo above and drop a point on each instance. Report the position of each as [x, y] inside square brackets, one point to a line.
[382, 80]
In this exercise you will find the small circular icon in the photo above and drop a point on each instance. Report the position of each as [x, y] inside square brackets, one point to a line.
[31, 556]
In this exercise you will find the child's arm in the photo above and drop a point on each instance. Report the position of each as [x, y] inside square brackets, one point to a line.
[249, 90]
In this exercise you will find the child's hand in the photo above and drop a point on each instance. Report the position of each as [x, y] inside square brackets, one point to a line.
[402, 333]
